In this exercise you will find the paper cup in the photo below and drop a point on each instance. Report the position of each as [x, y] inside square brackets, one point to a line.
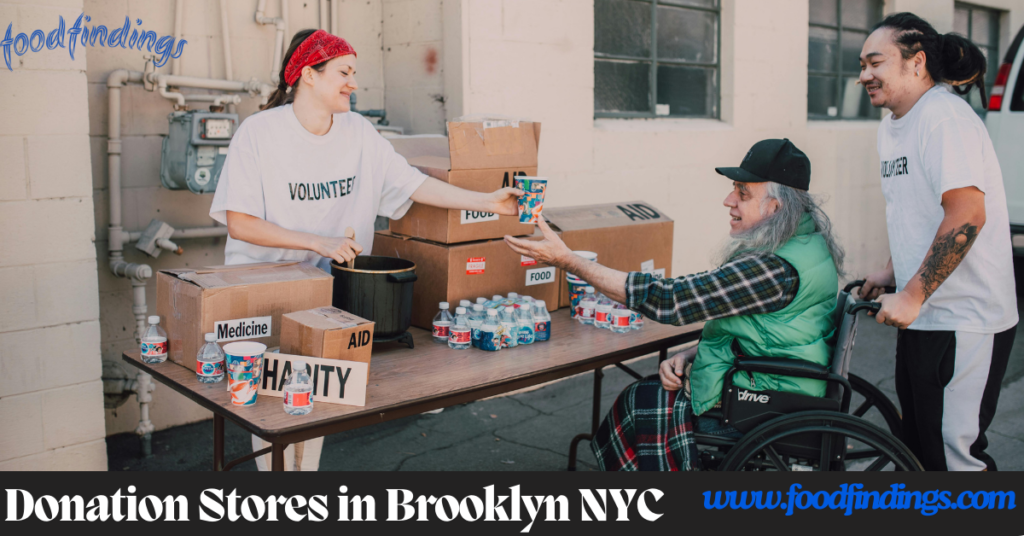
[577, 289]
[245, 371]
[531, 204]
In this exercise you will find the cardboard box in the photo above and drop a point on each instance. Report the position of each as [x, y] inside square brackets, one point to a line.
[327, 332]
[466, 271]
[482, 157]
[631, 237]
[240, 302]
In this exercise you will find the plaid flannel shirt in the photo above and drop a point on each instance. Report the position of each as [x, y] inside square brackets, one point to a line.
[752, 284]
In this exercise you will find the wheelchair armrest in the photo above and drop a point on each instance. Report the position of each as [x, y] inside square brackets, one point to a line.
[782, 366]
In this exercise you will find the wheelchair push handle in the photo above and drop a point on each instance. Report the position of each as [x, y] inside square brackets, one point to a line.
[860, 283]
[873, 307]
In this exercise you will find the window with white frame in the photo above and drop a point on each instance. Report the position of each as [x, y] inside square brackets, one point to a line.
[656, 58]
[838, 29]
[981, 26]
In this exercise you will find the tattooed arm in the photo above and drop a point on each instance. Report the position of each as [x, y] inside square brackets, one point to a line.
[965, 216]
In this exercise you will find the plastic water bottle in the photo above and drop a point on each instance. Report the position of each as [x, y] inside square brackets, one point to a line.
[587, 308]
[466, 303]
[442, 324]
[524, 317]
[491, 332]
[210, 361]
[460, 335]
[603, 312]
[541, 321]
[509, 327]
[495, 301]
[512, 300]
[154, 342]
[298, 391]
[620, 319]
[636, 321]
[476, 320]
[482, 301]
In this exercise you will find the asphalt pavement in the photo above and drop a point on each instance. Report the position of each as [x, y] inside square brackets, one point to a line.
[527, 431]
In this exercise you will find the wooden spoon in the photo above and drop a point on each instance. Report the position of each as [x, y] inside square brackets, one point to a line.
[351, 234]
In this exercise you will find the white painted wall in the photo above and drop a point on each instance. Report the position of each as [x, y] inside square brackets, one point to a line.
[414, 65]
[51, 397]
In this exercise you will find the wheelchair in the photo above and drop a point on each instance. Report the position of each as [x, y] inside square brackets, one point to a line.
[792, 432]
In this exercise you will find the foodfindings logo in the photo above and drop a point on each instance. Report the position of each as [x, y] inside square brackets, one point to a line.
[118, 37]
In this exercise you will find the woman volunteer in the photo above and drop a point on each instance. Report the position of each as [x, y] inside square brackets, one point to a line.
[305, 168]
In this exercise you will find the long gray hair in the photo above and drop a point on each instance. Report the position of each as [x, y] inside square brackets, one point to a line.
[776, 229]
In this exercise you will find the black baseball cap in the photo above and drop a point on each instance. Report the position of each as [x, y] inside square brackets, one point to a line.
[773, 161]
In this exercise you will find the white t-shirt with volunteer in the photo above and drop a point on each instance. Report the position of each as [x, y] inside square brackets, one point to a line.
[279, 171]
[942, 145]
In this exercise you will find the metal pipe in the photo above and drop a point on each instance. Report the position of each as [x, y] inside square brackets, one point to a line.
[226, 37]
[179, 13]
[280, 24]
[323, 16]
[334, 17]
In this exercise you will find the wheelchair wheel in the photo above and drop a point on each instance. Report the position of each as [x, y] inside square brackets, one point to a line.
[818, 441]
[870, 403]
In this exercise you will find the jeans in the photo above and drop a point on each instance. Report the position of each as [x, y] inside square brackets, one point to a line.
[715, 427]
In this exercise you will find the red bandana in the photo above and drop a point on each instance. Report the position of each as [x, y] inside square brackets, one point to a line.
[317, 48]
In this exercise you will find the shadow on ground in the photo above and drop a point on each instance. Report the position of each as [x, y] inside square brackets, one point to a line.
[528, 431]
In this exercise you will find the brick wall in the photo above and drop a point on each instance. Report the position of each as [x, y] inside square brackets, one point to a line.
[51, 397]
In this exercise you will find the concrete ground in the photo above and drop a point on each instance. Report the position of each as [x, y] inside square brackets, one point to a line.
[527, 431]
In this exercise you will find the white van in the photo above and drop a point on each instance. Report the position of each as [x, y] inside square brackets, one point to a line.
[1005, 122]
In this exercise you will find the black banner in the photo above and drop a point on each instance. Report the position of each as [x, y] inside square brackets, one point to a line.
[521, 503]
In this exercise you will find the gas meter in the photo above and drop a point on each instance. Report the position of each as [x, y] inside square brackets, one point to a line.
[195, 149]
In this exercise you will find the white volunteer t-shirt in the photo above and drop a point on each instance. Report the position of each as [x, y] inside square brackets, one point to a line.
[942, 145]
[279, 171]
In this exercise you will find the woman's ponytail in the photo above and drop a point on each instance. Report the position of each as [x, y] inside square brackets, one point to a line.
[282, 95]
[950, 58]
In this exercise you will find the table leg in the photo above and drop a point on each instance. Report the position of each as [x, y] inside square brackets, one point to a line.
[218, 442]
[277, 457]
[662, 354]
[595, 424]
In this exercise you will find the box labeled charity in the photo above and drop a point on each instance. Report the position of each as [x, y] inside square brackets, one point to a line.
[334, 381]
[238, 302]
[632, 236]
[455, 272]
[327, 332]
[481, 156]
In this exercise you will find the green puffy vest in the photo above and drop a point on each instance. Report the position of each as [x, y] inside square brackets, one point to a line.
[798, 331]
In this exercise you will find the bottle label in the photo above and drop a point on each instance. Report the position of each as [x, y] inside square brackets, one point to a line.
[154, 349]
[476, 334]
[298, 399]
[601, 317]
[636, 318]
[441, 331]
[459, 337]
[620, 321]
[490, 340]
[586, 313]
[206, 368]
[542, 330]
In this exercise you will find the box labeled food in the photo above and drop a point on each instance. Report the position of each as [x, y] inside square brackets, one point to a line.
[239, 302]
[327, 332]
[632, 236]
[455, 272]
[479, 156]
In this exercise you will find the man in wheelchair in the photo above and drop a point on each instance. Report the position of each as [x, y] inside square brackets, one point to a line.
[773, 295]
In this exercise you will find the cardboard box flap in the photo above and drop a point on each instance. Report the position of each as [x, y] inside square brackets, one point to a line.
[606, 215]
[247, 274]
[493, 144]
[328, 318]
[420, 145]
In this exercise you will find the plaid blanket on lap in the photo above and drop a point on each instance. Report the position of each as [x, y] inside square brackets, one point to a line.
[648, 429]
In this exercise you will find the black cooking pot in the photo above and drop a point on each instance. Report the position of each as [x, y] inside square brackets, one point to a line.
[378, 289]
